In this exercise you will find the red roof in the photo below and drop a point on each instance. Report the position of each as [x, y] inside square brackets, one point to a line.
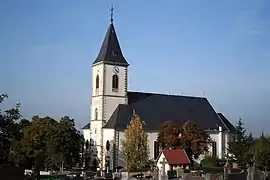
[177, 156]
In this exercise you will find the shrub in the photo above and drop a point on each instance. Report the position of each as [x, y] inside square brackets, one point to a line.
[209, 162]
[172, 173]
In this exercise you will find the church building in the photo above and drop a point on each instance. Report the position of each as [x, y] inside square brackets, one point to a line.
[112, 106]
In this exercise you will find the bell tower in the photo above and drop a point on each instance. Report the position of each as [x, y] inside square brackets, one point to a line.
[109, 87]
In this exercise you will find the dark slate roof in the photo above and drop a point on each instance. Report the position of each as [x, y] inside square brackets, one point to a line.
[155, 109]
[110, 52]
[227, 123]
[137, 96]
[87, 126]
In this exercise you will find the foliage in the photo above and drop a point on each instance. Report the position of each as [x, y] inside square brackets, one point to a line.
[42, 142]
[50, 143]
[86, 155]
[195, 138]
[191, 138]
[172, 174]
[135, 145]
[240, 145]
[260, 152]
[9, 130]
[209, 161]
[168, 135]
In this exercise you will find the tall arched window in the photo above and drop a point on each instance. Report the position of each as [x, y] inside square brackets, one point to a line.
[156, 150]
[96, 114]
[97, 82]
[115, 83]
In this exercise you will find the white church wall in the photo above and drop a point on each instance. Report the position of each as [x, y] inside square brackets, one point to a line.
[121, 160]
[86, 134]
[110, 104]
[97, 70]
[96, 132]
[96, 117]
[227, 139]
[152, 137]
[222, 139]
[109, 136]
[96, 104]
[96, 135]
[214, 137]
[122, 75]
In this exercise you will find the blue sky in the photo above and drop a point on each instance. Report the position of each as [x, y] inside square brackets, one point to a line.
[219, 47]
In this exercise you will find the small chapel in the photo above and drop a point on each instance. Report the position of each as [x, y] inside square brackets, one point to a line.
[112, 106]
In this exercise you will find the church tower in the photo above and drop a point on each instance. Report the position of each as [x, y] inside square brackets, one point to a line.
[109, 88]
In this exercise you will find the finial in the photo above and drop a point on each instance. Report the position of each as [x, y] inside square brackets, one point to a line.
[111, 14]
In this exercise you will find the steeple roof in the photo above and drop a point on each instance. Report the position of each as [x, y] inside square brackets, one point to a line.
[110, 52]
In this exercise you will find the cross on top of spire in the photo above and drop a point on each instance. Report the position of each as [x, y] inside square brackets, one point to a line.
[111, 14]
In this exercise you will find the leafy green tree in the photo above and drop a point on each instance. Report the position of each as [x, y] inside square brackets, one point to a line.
[8, 130]
[41, 143]
[259, 152]
[36, 138]
[51, 144]
[135, 145]
[70, 142]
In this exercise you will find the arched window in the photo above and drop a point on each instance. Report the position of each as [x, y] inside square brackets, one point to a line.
[115, 83]
[156, 150]
[96, 114]
[97, 82]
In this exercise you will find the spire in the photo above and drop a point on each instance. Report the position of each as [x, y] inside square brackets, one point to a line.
[110, 52]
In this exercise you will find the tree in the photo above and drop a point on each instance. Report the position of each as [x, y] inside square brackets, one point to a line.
[240, 144]
[70, 141]
[86, 156]
[194, 140]
[135, 145]
[36, 142]
[260, 152]
[51, 144]
[168, 135]
[191, 138]
[8, 130]
[64, 144]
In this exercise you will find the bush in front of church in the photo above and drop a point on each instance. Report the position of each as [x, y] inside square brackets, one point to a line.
[209, 162]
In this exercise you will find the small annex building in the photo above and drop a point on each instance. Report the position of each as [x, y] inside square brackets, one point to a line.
[172, 159]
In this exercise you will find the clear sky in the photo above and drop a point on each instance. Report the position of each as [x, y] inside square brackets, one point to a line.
[219, 47]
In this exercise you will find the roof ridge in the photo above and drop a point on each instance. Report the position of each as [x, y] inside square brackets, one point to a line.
[163, 94]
